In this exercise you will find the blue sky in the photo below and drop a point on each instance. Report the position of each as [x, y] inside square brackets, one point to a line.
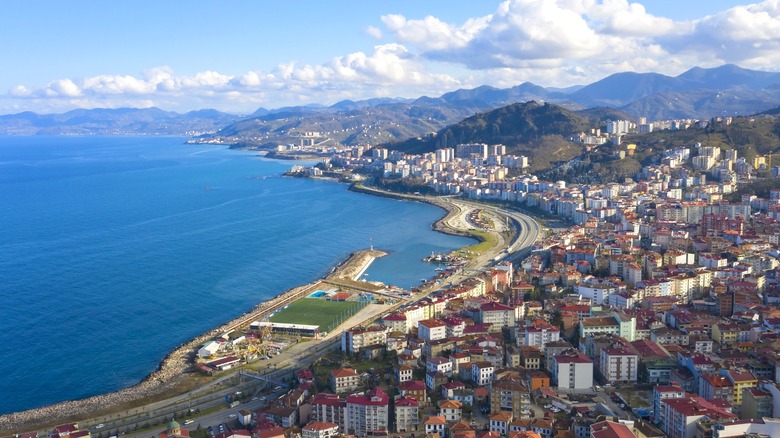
[237, 56]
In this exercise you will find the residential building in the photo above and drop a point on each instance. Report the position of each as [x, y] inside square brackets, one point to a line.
[572, 369]
[367, 413]
[407, 416]
[509, 395]
[319, 429]
[431, 330]
[354, 339]
[344, 380]
[497, 315]
[451, 410]
[619, 365]
[482, 373]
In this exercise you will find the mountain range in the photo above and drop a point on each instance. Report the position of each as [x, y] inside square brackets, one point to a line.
[699, 93]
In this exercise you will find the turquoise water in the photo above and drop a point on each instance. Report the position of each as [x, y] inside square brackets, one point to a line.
[114, 250]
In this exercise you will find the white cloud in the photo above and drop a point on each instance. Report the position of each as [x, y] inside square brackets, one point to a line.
[548, 42]
[62, 88]
[374, 32]
[19, 91]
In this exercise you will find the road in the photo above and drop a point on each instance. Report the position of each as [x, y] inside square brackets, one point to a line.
[301, 355]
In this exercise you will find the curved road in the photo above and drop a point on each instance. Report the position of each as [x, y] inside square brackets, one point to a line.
[527, 231]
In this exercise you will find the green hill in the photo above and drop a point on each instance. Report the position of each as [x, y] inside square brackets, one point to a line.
[539, 130]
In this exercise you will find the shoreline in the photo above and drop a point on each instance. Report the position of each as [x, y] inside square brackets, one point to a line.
[175, 366]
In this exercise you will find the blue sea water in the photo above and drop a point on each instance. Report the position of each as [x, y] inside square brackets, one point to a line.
[114, 250]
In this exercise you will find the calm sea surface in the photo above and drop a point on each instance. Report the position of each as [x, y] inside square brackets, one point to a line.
[114, 250]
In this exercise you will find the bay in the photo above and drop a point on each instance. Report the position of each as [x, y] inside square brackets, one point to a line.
[114, 250]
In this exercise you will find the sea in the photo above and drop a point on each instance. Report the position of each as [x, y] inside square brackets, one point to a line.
[115, 250]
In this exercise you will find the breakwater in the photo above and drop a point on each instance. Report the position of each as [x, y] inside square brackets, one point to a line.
[174, 367]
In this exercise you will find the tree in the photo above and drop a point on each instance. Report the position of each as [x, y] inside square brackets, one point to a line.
[556, 319]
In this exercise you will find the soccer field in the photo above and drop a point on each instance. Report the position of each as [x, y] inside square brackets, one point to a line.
[326, 314]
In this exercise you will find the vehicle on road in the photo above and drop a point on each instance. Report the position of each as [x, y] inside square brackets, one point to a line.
[100, 426]
[189, 421]
[232, 416]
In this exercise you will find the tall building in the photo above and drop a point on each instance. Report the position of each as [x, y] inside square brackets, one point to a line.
[367, 413]
[572, 369]
[509, 395]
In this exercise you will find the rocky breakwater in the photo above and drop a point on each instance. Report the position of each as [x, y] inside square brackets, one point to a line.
[172, 370]
[356, 264]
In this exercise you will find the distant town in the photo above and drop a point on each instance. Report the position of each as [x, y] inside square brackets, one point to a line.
[645, 308]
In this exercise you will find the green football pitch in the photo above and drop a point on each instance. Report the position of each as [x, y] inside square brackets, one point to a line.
[312, 311]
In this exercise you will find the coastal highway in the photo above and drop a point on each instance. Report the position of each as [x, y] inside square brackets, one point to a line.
[527, 229]
[514, 246]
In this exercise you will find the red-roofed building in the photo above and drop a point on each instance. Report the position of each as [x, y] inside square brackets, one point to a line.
[681, 416]
[268, 432]
[367, 413]
[344, 380]
[619, 365]
[396, 322]
[328, 408]
[407, 416]
[319, 429]
[498, 315]
[572, 369]
[431, 330]
[609, 429]
[415, 389]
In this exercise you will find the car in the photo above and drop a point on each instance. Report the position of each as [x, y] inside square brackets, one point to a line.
[232, 416]
[100, 426]
[189, 421]
[238, 392]
[622, 406]
[277, 388]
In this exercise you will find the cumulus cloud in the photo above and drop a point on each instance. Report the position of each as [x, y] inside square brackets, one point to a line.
[549, 42]
[747, 35]
[575, 40]
[62, 88]
[374, 32]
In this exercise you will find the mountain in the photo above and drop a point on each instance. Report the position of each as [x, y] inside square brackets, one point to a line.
[699, 93]
[120, 121]
[696, 93]
[538, 130]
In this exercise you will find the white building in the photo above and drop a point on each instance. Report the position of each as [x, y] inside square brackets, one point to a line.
[431, 330]
[541, 335]
[619, 365]
[482, 373]
[209, 349]
[367, 414]
[320, 429]
[573, 370]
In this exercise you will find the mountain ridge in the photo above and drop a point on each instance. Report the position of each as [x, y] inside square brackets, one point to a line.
[699, 93]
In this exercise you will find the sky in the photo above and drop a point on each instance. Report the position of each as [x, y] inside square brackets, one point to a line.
[237, 56]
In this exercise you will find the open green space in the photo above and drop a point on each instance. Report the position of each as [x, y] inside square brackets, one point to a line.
[312, 311]
[487, 242]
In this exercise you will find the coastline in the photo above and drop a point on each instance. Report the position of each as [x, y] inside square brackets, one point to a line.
[174, 368]
[440, 225]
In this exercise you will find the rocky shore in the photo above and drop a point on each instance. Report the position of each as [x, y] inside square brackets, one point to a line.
[171, 371]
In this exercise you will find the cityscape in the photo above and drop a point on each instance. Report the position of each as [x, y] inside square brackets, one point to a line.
[190, 250]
